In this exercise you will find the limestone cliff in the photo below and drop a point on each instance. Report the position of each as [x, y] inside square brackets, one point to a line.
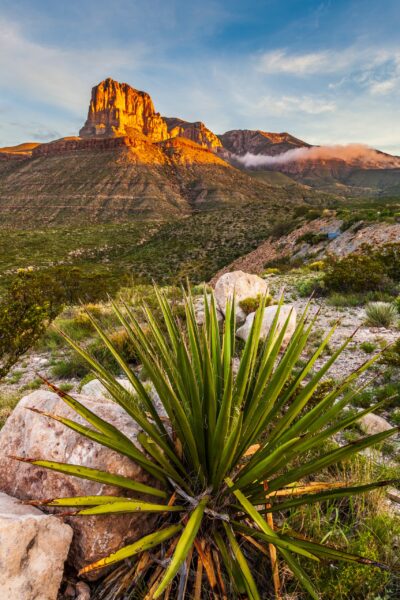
[118, 109]
[197, 132]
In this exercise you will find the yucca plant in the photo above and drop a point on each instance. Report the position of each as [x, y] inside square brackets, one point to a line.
[230, 451]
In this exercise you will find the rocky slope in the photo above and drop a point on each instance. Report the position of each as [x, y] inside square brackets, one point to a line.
[243, 141]
[197, 132]
[293, 245]
[114, 179]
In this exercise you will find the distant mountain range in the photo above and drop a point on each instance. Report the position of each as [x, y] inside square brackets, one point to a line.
[129, 161]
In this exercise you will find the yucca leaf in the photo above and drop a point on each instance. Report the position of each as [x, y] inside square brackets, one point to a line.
[328, 552]
[184, 544]
[341, 492]
[269, 534]
[248, 579]
[325, 410]
[95, 475]
[89, 416]
[145, 543]
[157, 455]
[130, 451]
[82, 501]
[127, 506]
[230, 564]
[330, 458]
[305, 443]
[300, 574]
[249, 475]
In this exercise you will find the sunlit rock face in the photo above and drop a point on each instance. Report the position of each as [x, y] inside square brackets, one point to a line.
[118, 109]
[196, 132]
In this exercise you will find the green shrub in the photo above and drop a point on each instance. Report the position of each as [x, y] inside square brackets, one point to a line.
[225, 435]
[71, 367]
[317, 265]
[395, 416]
[250, 305]
[356, 273]
[282, 228]
[32, 301]
[368, 347]
[271, 271]
[380, 314]
[312, 238]
[306, 287]
[7, 404]
[344, 300]
[397, 304]
[391, 356]
[35, 384]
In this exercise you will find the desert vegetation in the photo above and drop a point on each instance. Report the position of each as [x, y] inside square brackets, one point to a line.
[83, 294]
[237, 441]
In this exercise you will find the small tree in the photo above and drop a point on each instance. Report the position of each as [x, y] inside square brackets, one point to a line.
[32, 301]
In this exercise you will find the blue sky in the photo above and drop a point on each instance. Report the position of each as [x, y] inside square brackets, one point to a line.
[326, 71]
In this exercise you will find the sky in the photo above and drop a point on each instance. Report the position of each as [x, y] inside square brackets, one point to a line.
[325, 71]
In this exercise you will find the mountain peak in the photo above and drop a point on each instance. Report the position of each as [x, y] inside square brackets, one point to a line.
[117, 109]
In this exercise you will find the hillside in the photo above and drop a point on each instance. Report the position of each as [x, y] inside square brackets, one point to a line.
[68, 182]
[128, 162]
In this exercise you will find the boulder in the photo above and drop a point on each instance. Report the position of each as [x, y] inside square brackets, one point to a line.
[269, 314]
[244, 285]
[199, 310]
[371, 424]
[96, 390]
[28, 434]
[33, 549]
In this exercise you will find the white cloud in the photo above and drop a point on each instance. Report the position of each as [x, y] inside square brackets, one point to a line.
[279, 61]
[379, 88]
[312, 105]
[360, 64]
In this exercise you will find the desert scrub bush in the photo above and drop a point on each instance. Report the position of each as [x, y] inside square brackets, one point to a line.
[344, 300]
[368, 347]
[356, 273]
[317, 265]
[235, 447]
[7, 402]
[380, 314]
[309, 285]
[250, 305]
[312, 238]
[271, 271]
[70, 367]
[35, 384]
[391, 356]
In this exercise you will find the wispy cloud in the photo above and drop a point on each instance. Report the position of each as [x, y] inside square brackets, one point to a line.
[312, 105]
[375, 69]
[281, 61]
